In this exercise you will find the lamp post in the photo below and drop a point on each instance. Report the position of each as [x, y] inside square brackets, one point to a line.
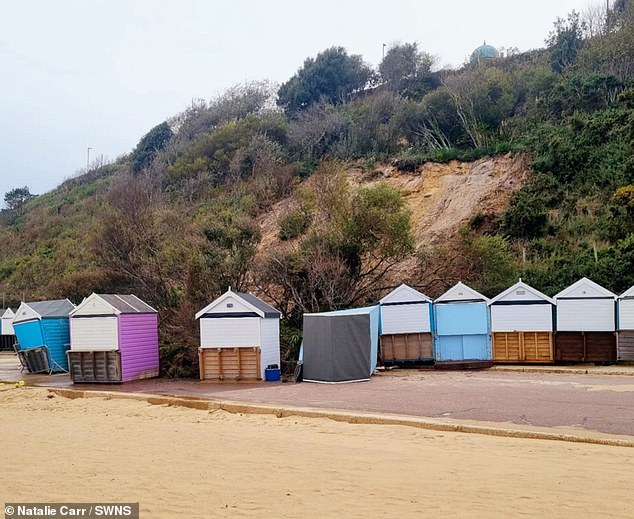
[384, 51]
[88, 159]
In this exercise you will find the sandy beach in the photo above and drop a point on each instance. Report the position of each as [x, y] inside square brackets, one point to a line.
[180, 462]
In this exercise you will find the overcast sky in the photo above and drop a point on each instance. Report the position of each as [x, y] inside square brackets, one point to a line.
[101, 73]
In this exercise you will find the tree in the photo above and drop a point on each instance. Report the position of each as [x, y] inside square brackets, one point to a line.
[333, 76]
[353, 243]
[149, 145]
[222, 256]
[406, 70]
[236, 103]
[16, 198]
[433, 123]
[565, 41]
[130, 244]
[483, 97]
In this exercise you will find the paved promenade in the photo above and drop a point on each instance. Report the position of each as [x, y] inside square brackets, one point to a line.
[584, 398]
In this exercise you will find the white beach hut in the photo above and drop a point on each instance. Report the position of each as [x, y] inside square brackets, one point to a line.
[239, 337]
[522, 325]
[406, 326]
[7, 334]
[7, 322]
[585, 323]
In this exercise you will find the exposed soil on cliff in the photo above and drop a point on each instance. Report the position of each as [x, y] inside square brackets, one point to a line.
[441, 197]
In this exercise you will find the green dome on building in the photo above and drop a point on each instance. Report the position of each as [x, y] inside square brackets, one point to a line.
[485, 51]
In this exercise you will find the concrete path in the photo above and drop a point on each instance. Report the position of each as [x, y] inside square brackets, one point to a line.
[595, 401]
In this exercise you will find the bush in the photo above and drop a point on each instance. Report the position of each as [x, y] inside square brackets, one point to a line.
[526, 216]
[178, 361]
[410, 163]
[294, 224]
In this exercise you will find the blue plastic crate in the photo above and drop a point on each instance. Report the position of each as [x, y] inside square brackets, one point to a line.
[271, 375]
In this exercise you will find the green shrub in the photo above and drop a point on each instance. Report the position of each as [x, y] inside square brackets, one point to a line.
[294, 224]
[526, 216]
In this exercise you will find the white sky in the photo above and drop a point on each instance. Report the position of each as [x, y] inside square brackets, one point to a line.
[101, 73]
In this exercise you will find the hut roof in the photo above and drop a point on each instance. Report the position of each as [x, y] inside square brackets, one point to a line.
[127, 304]
[530, 293]
[268, 310]
[404, 294]
[8, 314]
[116, 303]
[586, 289]
[461, 292]
[44, 309]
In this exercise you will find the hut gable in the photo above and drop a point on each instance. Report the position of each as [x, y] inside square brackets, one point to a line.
[93, 305]
[521, 292]
[585, 289]
[239, 305]
[25, 313]
[404, 294]
[461, 292]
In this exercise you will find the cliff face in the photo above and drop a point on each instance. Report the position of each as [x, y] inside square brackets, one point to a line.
[441, 197]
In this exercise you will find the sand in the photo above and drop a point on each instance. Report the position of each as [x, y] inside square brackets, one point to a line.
[181, 462]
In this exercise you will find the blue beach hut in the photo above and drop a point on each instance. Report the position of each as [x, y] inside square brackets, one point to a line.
[462, 331]
[45, 323]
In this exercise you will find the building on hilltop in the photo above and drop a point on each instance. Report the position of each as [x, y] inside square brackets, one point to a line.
[484, 53]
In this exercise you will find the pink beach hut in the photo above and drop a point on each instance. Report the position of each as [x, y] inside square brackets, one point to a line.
[113, 338]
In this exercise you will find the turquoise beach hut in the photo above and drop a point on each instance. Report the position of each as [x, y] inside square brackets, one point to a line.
[45, 323]
[462, 330]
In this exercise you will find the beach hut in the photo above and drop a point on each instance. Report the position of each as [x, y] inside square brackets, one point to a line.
[522, 325]
[7, 335]
[406, 326]
[461, 326]
[239, 338]
[45, 323]
[625, 336]
[113, 338]
[341, 346]
[585, 323]
[7, 322]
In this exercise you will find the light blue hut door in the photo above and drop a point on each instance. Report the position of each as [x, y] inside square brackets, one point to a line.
[462, 330]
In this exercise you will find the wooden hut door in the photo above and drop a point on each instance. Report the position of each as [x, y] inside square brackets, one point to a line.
[230, 363]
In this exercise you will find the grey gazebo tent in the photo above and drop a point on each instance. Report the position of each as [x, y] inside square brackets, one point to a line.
[341, 346]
